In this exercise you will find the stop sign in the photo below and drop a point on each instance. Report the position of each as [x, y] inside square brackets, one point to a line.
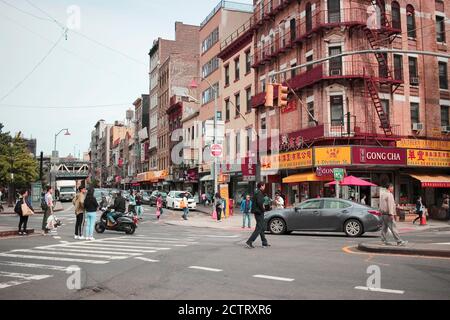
[216, 150]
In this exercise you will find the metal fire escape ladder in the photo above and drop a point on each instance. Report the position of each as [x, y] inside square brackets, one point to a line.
[373, 92]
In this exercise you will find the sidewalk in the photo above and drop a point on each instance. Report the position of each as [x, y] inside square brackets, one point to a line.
[414, 249]
[38, 210]
[8, 231]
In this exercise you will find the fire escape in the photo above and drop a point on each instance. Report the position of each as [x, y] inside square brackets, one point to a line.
[373, 82]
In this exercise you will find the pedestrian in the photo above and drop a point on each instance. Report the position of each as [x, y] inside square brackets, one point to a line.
[446, 205]
[258, 210]
[219, 206]
[184, 206]
[139, 208]
[267, 203]
[388, 209]
[91, 206]
[279, 202]
[363, 200]
[48, 208]
[132, 204]
[24, 209]
[1, 199]
[159, 205]
[78, 202]
[246, 209]
[419, 210]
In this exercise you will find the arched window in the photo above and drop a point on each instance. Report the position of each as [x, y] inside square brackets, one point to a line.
[308, 17]
[411, 21]
[396, 17]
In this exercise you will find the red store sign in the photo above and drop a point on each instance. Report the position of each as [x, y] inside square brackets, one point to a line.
[379, 156]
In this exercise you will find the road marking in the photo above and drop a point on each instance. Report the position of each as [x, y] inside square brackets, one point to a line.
[205, 269]
[33, 265]
[115, 249]
[215, 236]
[82, 250]
[261, 276]
[112, 245]
[380, 290]
[57, 238]
[24, 256]
[62, 253]
[181, 245]
[146, 260]
[153, 238]
[12, 284]
[64, 242]
[143, 242]
[445, 244]
[24, 276]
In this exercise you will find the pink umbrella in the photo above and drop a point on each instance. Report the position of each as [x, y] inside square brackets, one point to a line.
[353, 181]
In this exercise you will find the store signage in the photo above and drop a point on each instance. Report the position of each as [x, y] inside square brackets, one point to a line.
[424, 144]
[332, 156]
[339, 174]
[248, 168]
[324, 172]
[291, 106]
[290, 160]
[428, 158]
[379, 156]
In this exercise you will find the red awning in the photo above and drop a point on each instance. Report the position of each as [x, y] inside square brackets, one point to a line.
[432, 181]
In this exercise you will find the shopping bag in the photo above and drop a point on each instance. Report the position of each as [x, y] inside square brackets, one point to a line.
[214, 215]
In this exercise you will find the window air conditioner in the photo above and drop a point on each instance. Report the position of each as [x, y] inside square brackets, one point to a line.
[417, 126]
[414, 81]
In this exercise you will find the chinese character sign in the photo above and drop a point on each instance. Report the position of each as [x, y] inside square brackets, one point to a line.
[428, 158]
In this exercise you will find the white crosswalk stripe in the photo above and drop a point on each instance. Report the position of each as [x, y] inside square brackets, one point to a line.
[63, 253]
[24, 256]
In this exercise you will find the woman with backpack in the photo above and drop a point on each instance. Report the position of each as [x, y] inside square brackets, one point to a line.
[219, 206]
[138, 208]
[24, 209]
[419, 210]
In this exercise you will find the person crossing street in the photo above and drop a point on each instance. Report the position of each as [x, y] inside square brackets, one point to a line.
[388, 210]
[246, 209]
[258, 210]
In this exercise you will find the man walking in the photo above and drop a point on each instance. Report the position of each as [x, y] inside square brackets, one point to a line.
[388, 209]
[258, 210]
[78, 202]
[48, 200]
[246, 209]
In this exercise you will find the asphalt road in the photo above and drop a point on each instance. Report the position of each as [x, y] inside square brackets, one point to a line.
[176, 263]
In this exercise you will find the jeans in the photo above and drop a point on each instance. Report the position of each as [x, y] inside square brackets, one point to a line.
[23, 222]
[219, 214]
[79, 224]
[185, 212]
[139, 210]
[389, 224]
[45, 218]
[90, 224]
[246, 217]
[259, 231]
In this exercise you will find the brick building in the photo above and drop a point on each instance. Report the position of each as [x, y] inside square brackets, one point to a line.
[374, 100]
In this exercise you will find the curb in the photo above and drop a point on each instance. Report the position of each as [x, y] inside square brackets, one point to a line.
[36, 212]
[10, 233]
[404, 250]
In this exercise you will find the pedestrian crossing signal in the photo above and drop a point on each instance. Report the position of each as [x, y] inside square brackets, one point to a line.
[283, 92]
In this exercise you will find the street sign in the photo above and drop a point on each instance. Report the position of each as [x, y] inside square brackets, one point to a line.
[216, 150]
[339, 174]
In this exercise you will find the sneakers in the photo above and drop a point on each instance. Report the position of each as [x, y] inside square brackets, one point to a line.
[265, 246]
[249, 246]
[90, 239]
[402, 243]
[81, 238]
[76, 237]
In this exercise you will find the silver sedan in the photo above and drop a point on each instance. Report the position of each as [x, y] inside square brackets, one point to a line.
[327, 215]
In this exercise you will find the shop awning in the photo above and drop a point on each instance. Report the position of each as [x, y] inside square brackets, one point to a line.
[305, 177]
[432, 181]
[207, 178]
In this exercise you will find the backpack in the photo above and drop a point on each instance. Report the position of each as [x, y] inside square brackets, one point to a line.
[44, 205]
[18, 207]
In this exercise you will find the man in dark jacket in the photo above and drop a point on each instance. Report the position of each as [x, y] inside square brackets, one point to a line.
[119, 208]
[258, 210]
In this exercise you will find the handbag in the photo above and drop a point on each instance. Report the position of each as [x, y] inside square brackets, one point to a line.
[26, 211]
[214, 215]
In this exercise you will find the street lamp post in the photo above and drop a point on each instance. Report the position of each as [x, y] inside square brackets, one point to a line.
[55, 153]
[11, 181]
[213, 172]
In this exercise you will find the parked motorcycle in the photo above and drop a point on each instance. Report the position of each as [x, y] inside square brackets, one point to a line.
[124, 223]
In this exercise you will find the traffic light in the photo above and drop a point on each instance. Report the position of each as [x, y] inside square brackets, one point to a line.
[283, 92]
[269, 96]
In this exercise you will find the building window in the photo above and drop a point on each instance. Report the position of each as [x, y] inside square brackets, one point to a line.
[248, 95]
[211, 40]
[238, 144]
[293, 26]
[308, 17]
[396, 16]
[249, 139]
[414, 113]
[227, 142]
[237, 72]
[383, 70]
[193, 133]
[413, 76]
[335, 63]
[309, 59]
[227, 110]
[211, 66]
[440, 29]
[311, 116]
[248, 62]
[263, 85]
[227, 75]
[238, 104]
[386, 108]
[411, 21]
[263, 123]
[398, 67]
[443, 76]
[337, 110]
[209, 94]
[334, 11]
[445, 118]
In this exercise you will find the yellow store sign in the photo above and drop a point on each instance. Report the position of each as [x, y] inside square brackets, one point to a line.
[332, 156]
[428, 158]
[424, 144]
[290, 160]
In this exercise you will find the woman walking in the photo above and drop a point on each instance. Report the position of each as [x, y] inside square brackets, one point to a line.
[78, 202]
[219, 206]
[159, 205]
[24, 210]
[139, 208]
[132, 205]
[419, 210]
[91, 206]
[184, 204]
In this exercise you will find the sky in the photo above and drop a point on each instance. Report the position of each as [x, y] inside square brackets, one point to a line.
[112, 69]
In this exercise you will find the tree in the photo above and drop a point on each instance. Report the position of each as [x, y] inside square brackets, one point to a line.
[15, 158]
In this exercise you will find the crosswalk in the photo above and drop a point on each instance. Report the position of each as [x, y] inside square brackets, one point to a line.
[22, 266]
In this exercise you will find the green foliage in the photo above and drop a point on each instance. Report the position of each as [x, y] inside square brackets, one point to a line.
[15, 158]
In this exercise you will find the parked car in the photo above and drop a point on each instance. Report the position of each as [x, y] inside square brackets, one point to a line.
[145, 197]
[327, 215]
[174, 199]
[154, 195]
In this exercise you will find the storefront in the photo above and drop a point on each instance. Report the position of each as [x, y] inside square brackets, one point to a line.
[191, 181]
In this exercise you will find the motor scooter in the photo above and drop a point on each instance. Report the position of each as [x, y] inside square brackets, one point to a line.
[125, 222]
